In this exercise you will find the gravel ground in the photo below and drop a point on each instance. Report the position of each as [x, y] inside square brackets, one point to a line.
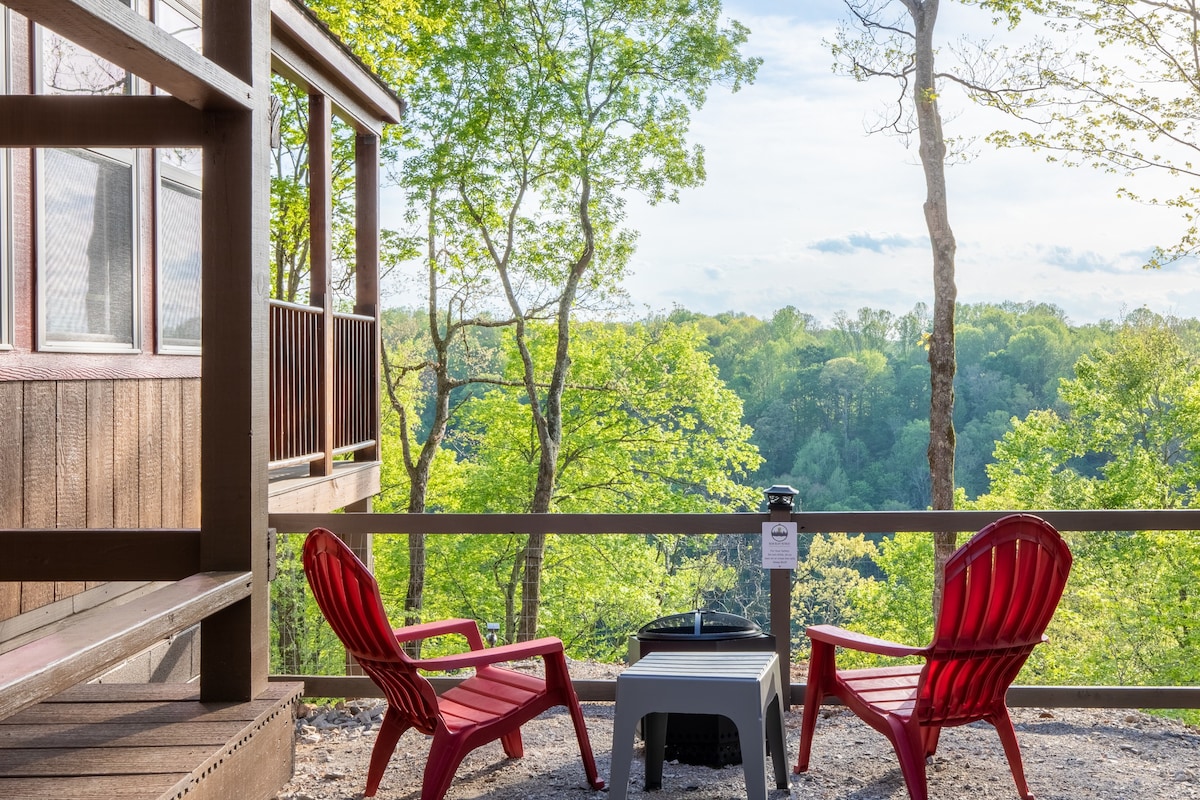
[1070, 754]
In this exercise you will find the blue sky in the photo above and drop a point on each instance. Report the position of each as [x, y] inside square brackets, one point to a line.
[801, 207]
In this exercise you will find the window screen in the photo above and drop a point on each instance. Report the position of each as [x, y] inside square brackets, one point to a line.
[87, 268]
[178, 266]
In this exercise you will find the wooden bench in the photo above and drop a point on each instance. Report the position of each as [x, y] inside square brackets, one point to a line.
[61, 737]
[94, 640]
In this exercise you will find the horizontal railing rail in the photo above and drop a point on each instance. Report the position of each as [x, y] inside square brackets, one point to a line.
[750, 522]
[1172, 697]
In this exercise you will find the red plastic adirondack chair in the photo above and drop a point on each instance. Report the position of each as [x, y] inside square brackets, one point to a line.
[1001, 589]
[491, 705]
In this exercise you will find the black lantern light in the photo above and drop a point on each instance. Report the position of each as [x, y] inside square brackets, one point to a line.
[780, 498]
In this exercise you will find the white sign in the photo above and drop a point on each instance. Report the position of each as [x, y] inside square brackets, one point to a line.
[779, 545]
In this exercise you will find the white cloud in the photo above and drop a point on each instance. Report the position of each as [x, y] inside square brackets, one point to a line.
[802, 207]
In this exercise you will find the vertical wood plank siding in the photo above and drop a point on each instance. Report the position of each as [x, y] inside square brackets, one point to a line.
[95, 454]
[12, 501]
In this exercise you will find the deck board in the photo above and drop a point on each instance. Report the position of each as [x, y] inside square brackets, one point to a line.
[144, 741]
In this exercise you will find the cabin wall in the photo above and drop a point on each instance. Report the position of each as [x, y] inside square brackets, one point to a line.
[95, 454]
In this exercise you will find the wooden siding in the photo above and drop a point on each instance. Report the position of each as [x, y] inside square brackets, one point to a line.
[95, 454]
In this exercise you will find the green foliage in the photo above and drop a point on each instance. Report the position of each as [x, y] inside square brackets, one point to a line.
[1126, 439]
[599, 589]
[647, 426]
[302, 643]
[827, 578]
[896, 606]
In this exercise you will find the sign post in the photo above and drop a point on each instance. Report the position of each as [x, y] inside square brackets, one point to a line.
[779, 556]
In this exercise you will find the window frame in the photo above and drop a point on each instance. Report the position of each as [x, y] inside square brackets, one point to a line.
[123, 157]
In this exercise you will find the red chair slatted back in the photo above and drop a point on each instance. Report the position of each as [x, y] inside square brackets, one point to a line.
[1001, 590]
[348, 596]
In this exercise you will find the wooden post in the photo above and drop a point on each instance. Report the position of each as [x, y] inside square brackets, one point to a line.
[781, 617]
[320, 255]
[366, 271]
[234, 389]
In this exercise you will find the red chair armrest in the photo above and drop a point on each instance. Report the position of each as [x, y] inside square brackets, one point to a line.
[425, 630]
[831, 634]
[493, 655]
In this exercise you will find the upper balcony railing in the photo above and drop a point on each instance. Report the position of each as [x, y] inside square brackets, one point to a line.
[322, 385]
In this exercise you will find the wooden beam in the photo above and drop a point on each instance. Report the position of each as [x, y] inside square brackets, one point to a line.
[366, 271]
[98, 639]
[288, 62]
[90, 554]
[115, 32]
[328, 66]
[320, 258]
[807, 522]
[98, 121]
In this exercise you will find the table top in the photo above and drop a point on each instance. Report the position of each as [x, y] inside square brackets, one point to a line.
[751, 666]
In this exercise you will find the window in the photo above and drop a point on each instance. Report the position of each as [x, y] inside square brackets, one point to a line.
[181, 19]
[179, 267]
[67, 68]
[178, 232]
[88, 288]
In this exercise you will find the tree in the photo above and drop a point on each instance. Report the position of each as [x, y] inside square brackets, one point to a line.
[879, 43]
[1129, 438]
[561, 109]
[648, 427]
[1128, 106]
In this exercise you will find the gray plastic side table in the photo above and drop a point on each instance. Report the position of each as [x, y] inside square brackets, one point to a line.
[741, 686]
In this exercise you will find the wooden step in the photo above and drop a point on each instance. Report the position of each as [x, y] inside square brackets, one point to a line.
[150, 742]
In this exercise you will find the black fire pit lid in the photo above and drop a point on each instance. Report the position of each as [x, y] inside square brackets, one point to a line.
[699, 625]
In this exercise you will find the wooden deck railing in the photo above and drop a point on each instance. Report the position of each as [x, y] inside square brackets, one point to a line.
[807, 523]
[305, 427]
[354, 395]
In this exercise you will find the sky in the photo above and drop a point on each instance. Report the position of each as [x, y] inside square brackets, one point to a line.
[802, 207]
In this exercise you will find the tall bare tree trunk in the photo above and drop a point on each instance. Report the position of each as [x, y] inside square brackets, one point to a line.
[945, 294]
[549, 420]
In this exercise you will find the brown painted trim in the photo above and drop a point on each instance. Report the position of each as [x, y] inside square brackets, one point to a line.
[808, 522]
[92, 554]
[15, 366]
[70, 121]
